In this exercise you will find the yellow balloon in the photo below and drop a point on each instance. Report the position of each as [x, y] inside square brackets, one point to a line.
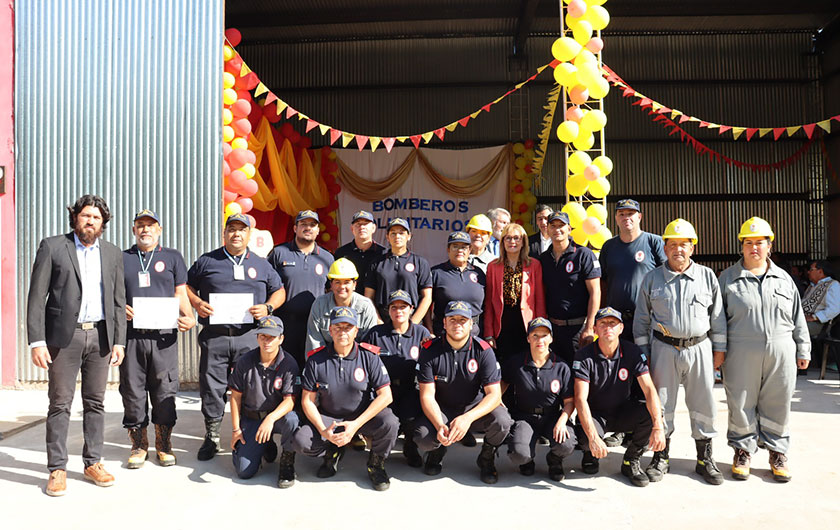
[566, 74]
[600, 188]
[578, 162]
[604, 163]
[588, 74]
[576, 213]
[249, 170]
[595, 2]
[239, 143]
[582, 32]
[598, 240]
[530, 199]
[228, 80]
[577, 185]
[584, 141]
[572, 22]
[518, 148]
[600, 89]
[520, 174]
[519, 162]
[568, 131]
[526, 183]
[583, 57]
[565, 49]
[594, 120]
[517, 198]
[579, 236]
[597, 16]
[227, 133]
[232, 208]
[229, 96]
[529, 154]
[227, 116]
[227, 52]
[598, 211]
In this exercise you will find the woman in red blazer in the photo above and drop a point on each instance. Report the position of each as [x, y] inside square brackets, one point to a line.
[514, 294]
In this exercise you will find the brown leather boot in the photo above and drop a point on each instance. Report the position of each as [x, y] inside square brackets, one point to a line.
[163, 445]
[139, 447]
[57, 485]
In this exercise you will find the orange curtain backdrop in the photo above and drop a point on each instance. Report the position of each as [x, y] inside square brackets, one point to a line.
[291, 186]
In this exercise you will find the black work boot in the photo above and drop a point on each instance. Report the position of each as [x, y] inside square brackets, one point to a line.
[376, 472]
[631, 466]
[433, 464]
[270, 451]
[487, 463]
[614, 440]
[527, 469]
[469, 440]
[411, 454]
[212, 438]
[589, 464]
[660, 464]
[331, 457]
[706, 466]
[286, 477]
[555, 467]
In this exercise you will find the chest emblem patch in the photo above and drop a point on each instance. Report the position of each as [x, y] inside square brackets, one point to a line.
[472, 366]
[278, 382]
[252, 272]
[640, 256]
[409, 267]
[414, 352]
[359, 374]
[160, 266]
[555, 386]
[570, 267]
[474, 277]
[319, 269]
[623, 374]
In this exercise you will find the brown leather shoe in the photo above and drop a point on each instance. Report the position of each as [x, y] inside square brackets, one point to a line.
[97, 474]
[57, 485]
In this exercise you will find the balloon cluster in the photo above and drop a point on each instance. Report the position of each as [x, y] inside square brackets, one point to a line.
[238, 166]
[521, 186]
[328, 237]
[579, 73]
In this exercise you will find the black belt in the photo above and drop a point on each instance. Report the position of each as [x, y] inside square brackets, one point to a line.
[149, 331]
[87, 326]
[258, 415]
[680, 343]
[539, 411]
[230, 332]
[571, 322]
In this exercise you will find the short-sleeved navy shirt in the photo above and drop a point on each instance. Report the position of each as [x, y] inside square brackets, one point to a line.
[537, 388]
[345, 386]
[263, 388]
[611, 381]
[213, 273]
[451, 283]
[362, 259]
[399, 352]
[408, 272]
[625, 264]
[459, 376]
[304, 275]
[166, 269]
[566, 295]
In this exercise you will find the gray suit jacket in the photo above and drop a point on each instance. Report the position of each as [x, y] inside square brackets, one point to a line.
[55, 292]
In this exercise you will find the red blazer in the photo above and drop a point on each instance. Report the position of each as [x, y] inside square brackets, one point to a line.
[533, 296]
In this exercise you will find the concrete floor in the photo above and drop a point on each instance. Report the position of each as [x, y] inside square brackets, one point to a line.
[205, 494]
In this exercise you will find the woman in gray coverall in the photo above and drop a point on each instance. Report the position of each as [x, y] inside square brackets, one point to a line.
[767, 338]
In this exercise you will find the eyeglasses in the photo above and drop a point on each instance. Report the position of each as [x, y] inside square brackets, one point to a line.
[513, 239]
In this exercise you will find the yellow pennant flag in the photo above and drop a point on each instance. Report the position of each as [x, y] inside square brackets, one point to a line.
[675, 113]
[402, 139]
[427, 136]
[476, 113]
[374, 143]
[762, 131]
[261, 89]
[346, 138]
[825, 125]
[656, 106]
[302, 116]
[792, 130]
[281, 106]
[323, 128]
[738, 131]
[692, 118]
[451, 127]
[244, 70]
[714, 126]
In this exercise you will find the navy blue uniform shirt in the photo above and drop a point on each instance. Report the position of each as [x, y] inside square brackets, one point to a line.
[451, 283]
[345, 386]
[166, 269]
[303, 275]
[263, 388]
[408, 272]
[362, 259]
[399, 352]
[459, 376]
[564, 281]
[213, 273]
[611, 381]
[625, 264]
[537, 388]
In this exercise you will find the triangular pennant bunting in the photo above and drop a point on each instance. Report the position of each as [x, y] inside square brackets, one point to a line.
[361, 141]
[440, 132]
[825, 125]
[792, 130]
[335, 134]
[346, 138]
[809, 129]
[261, 89]
[374, 143]
[415, 139]
[451, 127]
[751, 132]
[323, 128]
[738, 131]
[290, 112]
[427, 136]
[777, 132]
[388, 143]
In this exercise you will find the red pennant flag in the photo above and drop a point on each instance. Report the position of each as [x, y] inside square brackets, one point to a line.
[554, 64]
[415, 140]
[645, 102]
[388, 143]
[684, 118]
[777, 132]
[290, 112]
[311, 124]
[486, 108]
[334, 135]
[704, 123]
[809, 129]
[463, 121]
[440, 132]
[531, 78]
[664, 110]
[724, 128]
[269, 99]
[628, 92]
[361, 141]
[751, 132]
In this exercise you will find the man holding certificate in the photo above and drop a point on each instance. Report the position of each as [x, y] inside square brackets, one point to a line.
[156, 306]
[230, 287]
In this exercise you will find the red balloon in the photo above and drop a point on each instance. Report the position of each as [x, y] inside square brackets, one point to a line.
[235, 65]
[270, 113]
[294, 138]
[528, 168]
[529, 144]
[226, 149]
[333, 204]
[233, 36]
[245, 203]
[239, 157]
[244, 94]
[240, 108]
[226, 169]
[251, 157]
[249, 188]
[305, 142]
[333, 231]
[518, 188]
[241, 127]
[287, 130]
[252, 220]
[228, 196]
[523, 208]
[237, 180]
[331, 166]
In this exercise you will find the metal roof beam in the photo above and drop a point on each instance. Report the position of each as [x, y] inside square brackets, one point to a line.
[527, 13]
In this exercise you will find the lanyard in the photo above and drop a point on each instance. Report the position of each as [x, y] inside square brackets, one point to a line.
[232, 259]
[145, 267]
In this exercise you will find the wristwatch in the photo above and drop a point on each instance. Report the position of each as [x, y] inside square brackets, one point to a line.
[270, 308]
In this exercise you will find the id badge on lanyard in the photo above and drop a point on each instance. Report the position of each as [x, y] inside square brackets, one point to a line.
[238, 272]
[144, 279]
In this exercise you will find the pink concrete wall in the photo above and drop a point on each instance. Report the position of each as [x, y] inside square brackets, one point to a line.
[8, 257]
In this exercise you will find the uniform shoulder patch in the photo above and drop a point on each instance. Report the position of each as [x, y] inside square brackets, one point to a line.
[313, 352]
[370, 347]
[483, 343]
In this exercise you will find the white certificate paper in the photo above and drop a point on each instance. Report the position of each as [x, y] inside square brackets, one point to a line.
[231, 308]
[155, 312]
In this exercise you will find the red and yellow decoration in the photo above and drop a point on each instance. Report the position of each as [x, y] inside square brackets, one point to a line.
[522, 198]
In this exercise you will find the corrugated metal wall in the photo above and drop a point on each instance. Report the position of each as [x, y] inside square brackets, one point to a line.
[120, 99]
[763, 80]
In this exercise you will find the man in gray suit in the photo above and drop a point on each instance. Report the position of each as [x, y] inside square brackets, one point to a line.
[75, 321]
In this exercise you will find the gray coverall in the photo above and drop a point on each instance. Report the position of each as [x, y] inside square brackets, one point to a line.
[766, 333]
[682, 306]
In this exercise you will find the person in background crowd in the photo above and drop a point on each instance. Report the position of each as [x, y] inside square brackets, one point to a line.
[480, 229]
[514, 296]
[500, 219]
[821, 302]
[456, 279]
[541, 240]
[363, 251]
